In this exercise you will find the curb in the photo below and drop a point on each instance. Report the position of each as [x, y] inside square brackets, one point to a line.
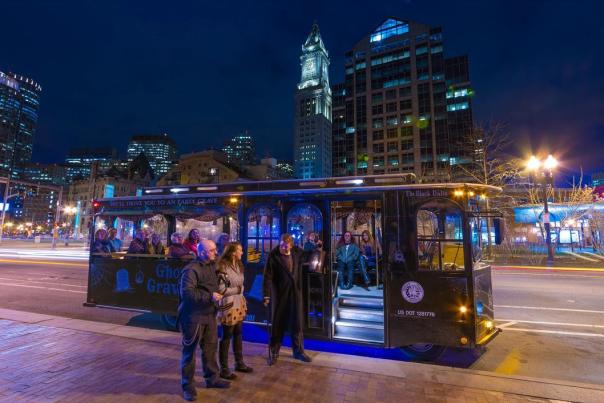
[467, 378]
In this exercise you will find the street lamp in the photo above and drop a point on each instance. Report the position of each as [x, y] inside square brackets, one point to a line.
[545, 169]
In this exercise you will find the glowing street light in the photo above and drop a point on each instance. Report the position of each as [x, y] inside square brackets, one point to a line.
[545, 169]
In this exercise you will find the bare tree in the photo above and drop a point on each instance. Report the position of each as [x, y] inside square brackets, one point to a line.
[486, 160]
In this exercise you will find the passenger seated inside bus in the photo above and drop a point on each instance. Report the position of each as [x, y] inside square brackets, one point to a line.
[312, 242]
[348, 257]
[177, 250]
[221, 242]
[115, 244]
[154, 246]
[100, 244]
[138, 245]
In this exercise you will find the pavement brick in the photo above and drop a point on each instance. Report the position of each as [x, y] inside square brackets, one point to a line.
[41, 363]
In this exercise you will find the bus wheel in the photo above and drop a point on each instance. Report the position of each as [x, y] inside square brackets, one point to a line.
[423, 351]
[169, 322]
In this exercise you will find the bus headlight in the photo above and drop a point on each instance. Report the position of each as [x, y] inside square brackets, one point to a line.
[489, 324]
[463, 340]
[463, 309]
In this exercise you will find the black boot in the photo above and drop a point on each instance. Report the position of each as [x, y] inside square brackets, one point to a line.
[238, 352]
[275, 353]
[223, 357]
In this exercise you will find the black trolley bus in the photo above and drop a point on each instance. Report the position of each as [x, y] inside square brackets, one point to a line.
[421, 249]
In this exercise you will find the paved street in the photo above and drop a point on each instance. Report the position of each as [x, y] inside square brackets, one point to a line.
[553, 322]
[126, 364]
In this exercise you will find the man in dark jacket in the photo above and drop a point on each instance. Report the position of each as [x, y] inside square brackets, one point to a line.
[283, 284]
[197, 318]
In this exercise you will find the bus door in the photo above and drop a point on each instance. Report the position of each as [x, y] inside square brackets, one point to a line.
[261, 230]
[305, 221]
[430, 300]
[356, 270]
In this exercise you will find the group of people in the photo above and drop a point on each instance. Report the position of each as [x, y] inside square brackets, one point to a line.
[212, 290]
[350, 255]
[145, 242]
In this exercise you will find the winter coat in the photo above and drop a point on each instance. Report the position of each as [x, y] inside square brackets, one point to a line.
[197, 283]
[285, 291]
[178, 250]
[190, 246]
[233, 304]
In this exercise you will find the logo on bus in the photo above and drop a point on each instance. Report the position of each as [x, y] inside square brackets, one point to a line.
[412, 291]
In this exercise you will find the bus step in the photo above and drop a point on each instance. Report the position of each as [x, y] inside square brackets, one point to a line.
[359, 330]
[369, 303]
[365, 315]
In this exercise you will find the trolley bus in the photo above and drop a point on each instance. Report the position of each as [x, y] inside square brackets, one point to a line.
[428, 288]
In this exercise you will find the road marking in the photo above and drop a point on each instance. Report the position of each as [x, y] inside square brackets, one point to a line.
[540, 308]
[510, 323]
[546, 274]
[517, 329]
[42, 262]
[513, 321]
[42, 288]
[596, 269]
[42, 282]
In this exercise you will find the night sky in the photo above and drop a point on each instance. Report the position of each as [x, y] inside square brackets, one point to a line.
[202, 71]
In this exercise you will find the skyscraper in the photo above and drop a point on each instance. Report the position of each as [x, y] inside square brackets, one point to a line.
[397, 110]
[312, 115]
[160, 150]
[240, 150]
[19, 104]
[79, 161]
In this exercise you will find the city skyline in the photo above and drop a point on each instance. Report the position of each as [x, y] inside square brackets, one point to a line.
[534, 74]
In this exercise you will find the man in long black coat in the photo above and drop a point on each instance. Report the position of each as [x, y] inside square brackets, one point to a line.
[283, 284]
[197, 318]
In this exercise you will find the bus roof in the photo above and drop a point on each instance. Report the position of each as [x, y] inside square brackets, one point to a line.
[305, 186]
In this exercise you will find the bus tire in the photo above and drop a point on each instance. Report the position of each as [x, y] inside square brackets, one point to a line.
[423, 351]
[169, 322]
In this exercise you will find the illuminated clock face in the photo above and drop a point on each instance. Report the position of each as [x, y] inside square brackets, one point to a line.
[309, 67]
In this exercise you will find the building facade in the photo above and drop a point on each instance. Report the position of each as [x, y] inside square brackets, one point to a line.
[19, 105]
[79, 161]
[393, 113]
[160, 151]
[209, 166]
[312, 115]
[240, 150]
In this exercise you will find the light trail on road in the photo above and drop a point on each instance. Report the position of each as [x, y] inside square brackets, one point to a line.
[43, 262]
[42, 288]
[542, 308]
[573, 269]
[537, 322]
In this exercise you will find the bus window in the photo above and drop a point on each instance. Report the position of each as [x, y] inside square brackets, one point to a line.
[440, 237]
[263, 232]
[210, 227]
[302, 220]
[476, 237]
[157, 225]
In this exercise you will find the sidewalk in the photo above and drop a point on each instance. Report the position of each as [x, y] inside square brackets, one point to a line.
[52, 358]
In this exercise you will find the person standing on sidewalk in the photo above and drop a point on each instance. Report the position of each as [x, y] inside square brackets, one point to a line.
[232, 309]
[197, 318]
[283, 286]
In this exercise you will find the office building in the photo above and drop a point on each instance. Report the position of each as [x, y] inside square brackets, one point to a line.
[19, 105]
[160, 150]
[397, 111]
[240, 150]
[312, 114]
[78, 161]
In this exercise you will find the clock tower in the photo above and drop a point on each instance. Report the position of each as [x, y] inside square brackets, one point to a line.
[312, 137]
